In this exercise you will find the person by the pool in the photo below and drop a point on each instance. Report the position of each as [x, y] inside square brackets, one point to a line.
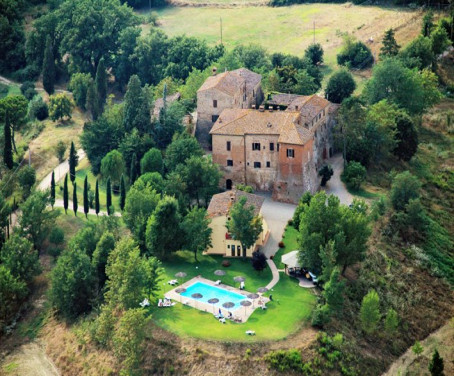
[230, 315]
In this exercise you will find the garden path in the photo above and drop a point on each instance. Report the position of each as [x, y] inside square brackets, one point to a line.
[335, 185]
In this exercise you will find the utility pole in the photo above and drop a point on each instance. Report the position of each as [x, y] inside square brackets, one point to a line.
[220, 18]
[314, 31]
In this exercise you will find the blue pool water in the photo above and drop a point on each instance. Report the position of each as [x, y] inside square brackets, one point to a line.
[210, 292]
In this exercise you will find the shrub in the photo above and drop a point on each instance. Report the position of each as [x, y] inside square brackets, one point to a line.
[285, 360]
[325, 172]
[28, 90]
[370, 312]
[57, 236]
[29, 73]
[3, 90]
[321, 316]
[354, 174]
[281, 244]
[404, 187]
[37, 108]
[355, 55]
[341, 85]
[226, 263]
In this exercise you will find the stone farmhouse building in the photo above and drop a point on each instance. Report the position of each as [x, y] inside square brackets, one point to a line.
[239, 89]
[273, 150]
[218, 210]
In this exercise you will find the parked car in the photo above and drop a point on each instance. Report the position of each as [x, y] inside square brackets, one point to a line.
[313, 277]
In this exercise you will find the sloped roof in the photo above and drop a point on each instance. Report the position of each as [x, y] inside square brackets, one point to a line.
[159, 103]
[246, 121]
[309, 106]
[281, 99]
[291, 259]
[221, 203]
[233, 81]
[252, 79]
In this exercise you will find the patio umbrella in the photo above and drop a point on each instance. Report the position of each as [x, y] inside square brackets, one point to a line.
[262, 289]
[196, 296]
[245, 303]
[219, 272]
[228, 305]
[239, 279]
[180, 275]
[213, 301]
[180, 290]
[253, 296]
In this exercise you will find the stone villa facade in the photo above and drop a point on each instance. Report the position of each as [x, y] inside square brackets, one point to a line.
[218, 211]
[273, 150]
[239, 89]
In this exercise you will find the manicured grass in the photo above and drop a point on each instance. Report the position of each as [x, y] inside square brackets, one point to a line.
[291, 308]
[84, 169]
[290, 244]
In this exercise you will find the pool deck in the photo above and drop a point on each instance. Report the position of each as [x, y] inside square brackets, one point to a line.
[243, 312]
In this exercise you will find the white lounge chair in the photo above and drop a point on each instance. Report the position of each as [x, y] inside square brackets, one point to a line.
[250, 332]
[242, 286]
[173, 282]
[145, 303]
[218, 282]
[222, 320]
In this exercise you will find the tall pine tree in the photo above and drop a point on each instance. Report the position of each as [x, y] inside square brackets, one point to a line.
[133, 169]
[48, 67]
[75, 205]
[137, 107]
[436, 365]
[8, 149]
[52, 189]
[101, 86]
[86, 206]
[108, 196]
[73, 162]
[122, 193]
[65, 194]
[91, 103]
[390, 47]
[97, 197]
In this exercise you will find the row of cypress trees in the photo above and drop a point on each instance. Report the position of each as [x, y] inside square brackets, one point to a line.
[85, 195]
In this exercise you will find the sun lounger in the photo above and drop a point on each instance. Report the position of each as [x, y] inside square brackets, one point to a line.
[222, 320]
[242, 286]
[145, 303]
[264, 307]
[173, 282]
[218, 282]
[250, 332]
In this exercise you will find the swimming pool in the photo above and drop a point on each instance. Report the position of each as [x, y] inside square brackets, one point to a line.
[208, 292]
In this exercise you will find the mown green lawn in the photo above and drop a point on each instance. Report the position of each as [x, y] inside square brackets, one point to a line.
[290, 244]
[291, 308]
[84, 170]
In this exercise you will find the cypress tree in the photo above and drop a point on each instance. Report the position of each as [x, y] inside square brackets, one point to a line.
[436, 365]
[133, 169]
[97, 197]
[73, 162]
[91, 103]
[86, 206]
[108, 196]
[8, 149]
[101, 86]
[52, 189]
[65, 194]
[48, 68]
[122, 193]
[75, 206]
[136, 107]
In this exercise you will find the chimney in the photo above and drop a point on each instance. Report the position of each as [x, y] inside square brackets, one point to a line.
[262, 108]
[215, 71]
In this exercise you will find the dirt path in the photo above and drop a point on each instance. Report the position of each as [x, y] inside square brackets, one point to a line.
[442, 339]
[335, 185]
[29, 359]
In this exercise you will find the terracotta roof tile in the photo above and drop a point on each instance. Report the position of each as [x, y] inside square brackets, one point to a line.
[252, 79]
[221, 203]
[233, 81]
[281, 99]
[309, 106]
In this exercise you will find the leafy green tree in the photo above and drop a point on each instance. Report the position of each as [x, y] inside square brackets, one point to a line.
[97, 197]
[390, 47]
[60, 150]
[104, 247]
[86, 206]
[101, 85]
[314, 53]
[404, 187]
[5, 211]
[333, 291]
[122, 193]
[28, 90]
[52, 190]
[16, 107]
[137, 107]
[163, 229]
[436, 365]
[354, 175]
[391, 322]
[27, 178]
[154, 180]
[73, 161]
[197, 232]
[135, 143]
[181, 149]
[418, 53]
[325, 172]
[427, 23]
[37, 108]
[48, 67]
[19, 256]
[109, 197]
[341, 85]
[406, 137]
[12, 36]
[439, 40]
[113, 166]
[193, 83]
[152, 161]
[60, 105]
[75, 205]
[302, 204]
[8, 147]
[72, 284]
[129, 339]
[12, 291]
[355, 54]
[79, 85]
[91, 101]
[370, 312]
[36, 221]
[244, 225]
[130, 276]
[65, 193]
[169, 123]
[417, 349]
[133, 169]
[328, 256]
[259, 261]
[141, 202]
[123, 66]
